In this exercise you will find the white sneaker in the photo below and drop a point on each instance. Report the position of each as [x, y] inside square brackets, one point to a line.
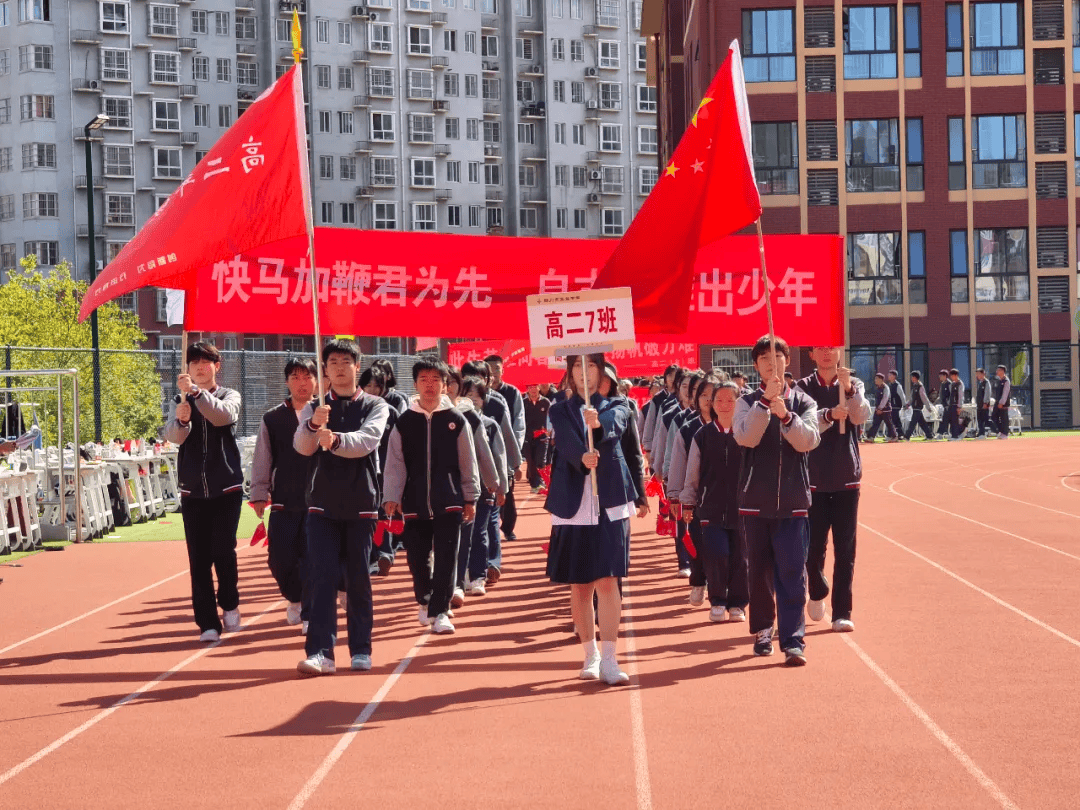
[303, 628]
[591, 670]
[343, 600]
[422, 616]
[815, 609]
[292, 613]
[611, 674]
[477, 587]
[210, 636]
[231, 620]
[317, 664]
[458, 599]
[980, 436]
[843, 626]
[684, 573]
[736, 614]
[1003, 436]
[442, 624]
[697, 595]
[718, 614]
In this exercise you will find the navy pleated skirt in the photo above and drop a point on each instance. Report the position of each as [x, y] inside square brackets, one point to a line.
[578, 555]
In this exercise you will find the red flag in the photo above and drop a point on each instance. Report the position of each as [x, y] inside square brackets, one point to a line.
[249, 190]
[706, 192]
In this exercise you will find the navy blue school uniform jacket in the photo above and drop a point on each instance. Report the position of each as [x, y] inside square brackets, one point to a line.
[835, 464]
[278, 473]
[711, 484]
[568, 474]
[208, 464]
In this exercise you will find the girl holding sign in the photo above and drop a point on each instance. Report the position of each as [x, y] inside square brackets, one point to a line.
[590, 513]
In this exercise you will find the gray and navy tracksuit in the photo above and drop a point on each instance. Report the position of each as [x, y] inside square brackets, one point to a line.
[431, 472]
[774, 502]
[516, 413]
[882, 399]
[982, 404]
[473, 560]
[535, 446]
[211, 483]
[279, 478]
[919, 400]
[835, 478]
[897, 401]
[497, 408]
[1002, 398]
[343, 499]
[956, 404]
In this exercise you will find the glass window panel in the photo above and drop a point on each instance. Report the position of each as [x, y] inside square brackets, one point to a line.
[917, 254]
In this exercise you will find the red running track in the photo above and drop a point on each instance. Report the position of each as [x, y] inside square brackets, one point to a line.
[957, 690]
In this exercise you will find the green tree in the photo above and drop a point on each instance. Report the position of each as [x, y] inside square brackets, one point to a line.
[39, 320]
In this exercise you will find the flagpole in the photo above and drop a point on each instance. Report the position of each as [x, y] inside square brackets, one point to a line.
[309, 213]
[767, 294]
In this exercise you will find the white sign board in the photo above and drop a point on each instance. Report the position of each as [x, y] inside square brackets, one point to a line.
[581, 322]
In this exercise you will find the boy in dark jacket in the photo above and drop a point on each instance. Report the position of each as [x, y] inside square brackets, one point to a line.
[983, 394]
[343, 506]
[919, 400]
[835, 478]
[882, 404]
[432, 480]
[897, 400]
[279, 478]
[778, 428]
[944, 400]
[211, 483]
[535, 447]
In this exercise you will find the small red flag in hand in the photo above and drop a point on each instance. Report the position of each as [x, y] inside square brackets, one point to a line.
[260, 534]
[688, 541]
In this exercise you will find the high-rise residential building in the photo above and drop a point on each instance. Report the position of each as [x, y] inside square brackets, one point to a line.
[461, 116]
[940, 138]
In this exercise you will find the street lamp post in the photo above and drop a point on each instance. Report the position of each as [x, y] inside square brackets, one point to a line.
[99, 121]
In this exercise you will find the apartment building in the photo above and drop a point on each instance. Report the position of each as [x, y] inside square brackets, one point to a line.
[461, 116]
[941, 139]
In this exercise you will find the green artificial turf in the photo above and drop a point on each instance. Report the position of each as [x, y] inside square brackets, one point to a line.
[168, 527]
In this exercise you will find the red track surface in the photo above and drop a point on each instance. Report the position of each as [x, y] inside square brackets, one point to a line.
[958, 689]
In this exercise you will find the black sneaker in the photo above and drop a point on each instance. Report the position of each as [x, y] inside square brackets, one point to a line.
[763, 644]
[794, 657]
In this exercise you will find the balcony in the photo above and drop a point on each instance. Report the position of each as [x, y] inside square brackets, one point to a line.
[440, 105]
[80, 182]
[534, 197]
[607, 21]
[83, 231]
[187, 43]
[489, 66]
[95, 134]
[999, 174]
[361, 102]
[362, 147]
[188, 91]
[777, 181]
[493, 194]
[442, 194]
[492, 151]
[537, 110]
[245, 49]
[592, 157]
[439, 18]
[83, 37]
[489, 22]
[531, 70]
[365, 191]
[588, 31]
[492, 108]
[285, 56]
[245, 5]
[245, 95]
[189, 138]
[440, 62]
[442, 149]
[361, 56]
[873, 178]
[530, 29]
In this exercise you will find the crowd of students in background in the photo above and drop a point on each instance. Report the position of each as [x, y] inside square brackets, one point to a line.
[751, 483]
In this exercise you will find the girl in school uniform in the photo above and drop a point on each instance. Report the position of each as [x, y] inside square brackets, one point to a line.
[590, 532]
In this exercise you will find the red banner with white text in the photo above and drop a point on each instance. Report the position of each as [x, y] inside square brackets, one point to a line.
[410, 284]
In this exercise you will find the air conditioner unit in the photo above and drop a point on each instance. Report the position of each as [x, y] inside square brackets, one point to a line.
[537, 68]
[93, 84]
[594, 198]
[591, 71]
[373, 16]
[359, 11]
[594, 175]
[591, 105]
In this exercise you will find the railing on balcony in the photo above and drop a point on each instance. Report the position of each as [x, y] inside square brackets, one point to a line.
[873, 178]
[999, 174]
[777, 181]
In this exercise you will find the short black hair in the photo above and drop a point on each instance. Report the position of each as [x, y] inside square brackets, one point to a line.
[788, 374]
[493, 358]
[341, 346]
[916, 375]
[201, 350]
[387, 369]
[954, 371]
[373, 375]
[429, 364]
[894, 372]
[695, 382]
[737, 375]
[762, 347]
[476, 368]
[1003, 367]
[676, 381]
[470, 383]
[300, 364]
[980, 370]
[725, 385]
[879, 374]
[944, 371]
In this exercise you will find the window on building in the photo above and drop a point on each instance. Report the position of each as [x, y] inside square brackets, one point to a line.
[35, 57]
[613, 221]
[381, 82]
[449, 41]
[610, 137]
[527, 176]
[200, 68]
[38, 156]
[347, 167]
[768, 43]
[166, 115]
[114, 18]
[577, 134]
[526, 133]
[420, 40]
[115, 65]
[471, 84]
[423, 216]
[999, 151]
[385, 216]
[562, 177]
[324, 121]
[912, 41]
[560, 134]
[345, 123]
[874, 269]
[344, 33]
[164, 68]
[577, 92]
[492, 89]
[119, 111]
[322, 31]
[119, 209]
[221, 23]
[118, 160]
[610, 96]
[647, 141]
[957, 156]
[873, 155]
[492, 174]
[577, 50]
[646, 98]
[453, 216]
[561, 218]
[40, 205]
[451, 83]
[322, 77]
[558, 49]
[611, 179]
[492, 132]
[914, 149]
[641, 60]
[489, 45]
[580, 220]
[870, 42]
[1001, 265]
[247, 74]
[526, 91]
[453, 129]
[958, 265]
[494, 217]
[5, 110]
[198, 23]
[954, 39]
[609, 54]
[383, 171]
[37, 107]
[453, 171]
[472, 129]
[647, 177]
[421, 128]
[469, 44]
[224, 115]
[997, 39]
[326, 167]
[775, 146]
[47, 253]
[580, 176]
[224, 70]
[326, 213]
[382, 126]
[423, 172]
[558, 91]
[381, 37]
[527, 219]
[167, 163]
[916, 256]
[523, 48]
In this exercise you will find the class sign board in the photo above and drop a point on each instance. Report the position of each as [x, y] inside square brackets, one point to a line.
[581, 322]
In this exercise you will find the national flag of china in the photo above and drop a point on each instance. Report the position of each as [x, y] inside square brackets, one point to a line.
[705, 193]
[251, 189]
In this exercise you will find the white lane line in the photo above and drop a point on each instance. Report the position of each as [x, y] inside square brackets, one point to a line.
[308, 790]
[937, 731]
[891, 488]
[89, 613]
[637, 714]
[979, 486]
[97, 718]
[1066, 478]
[997, 600]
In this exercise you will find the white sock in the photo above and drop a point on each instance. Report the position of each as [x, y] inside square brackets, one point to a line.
[608, 648]
[590, 648]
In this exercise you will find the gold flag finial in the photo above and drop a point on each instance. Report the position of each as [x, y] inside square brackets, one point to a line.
[297, 49]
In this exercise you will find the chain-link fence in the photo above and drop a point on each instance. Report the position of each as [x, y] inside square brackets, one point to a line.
[258, 376]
